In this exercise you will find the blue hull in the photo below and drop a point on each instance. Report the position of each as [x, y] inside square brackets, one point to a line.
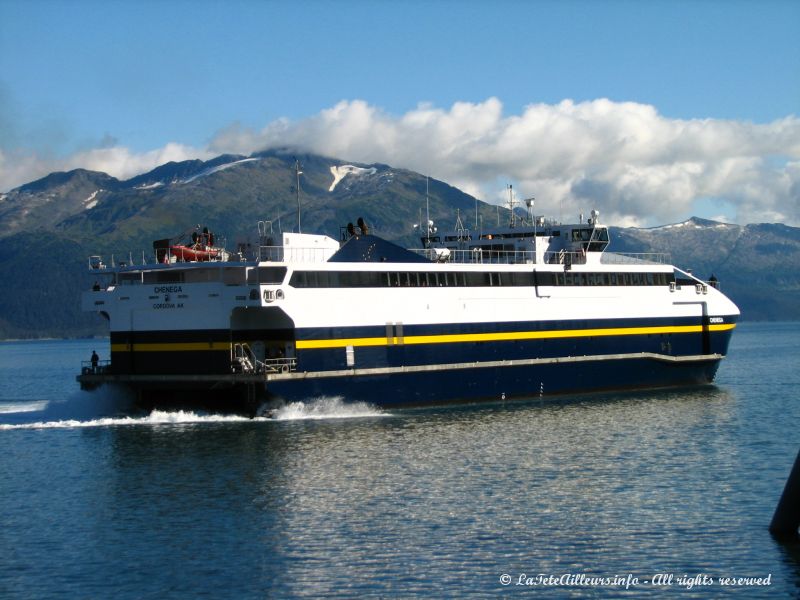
[497, 383]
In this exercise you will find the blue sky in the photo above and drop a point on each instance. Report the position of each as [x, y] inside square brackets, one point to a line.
[84, 76]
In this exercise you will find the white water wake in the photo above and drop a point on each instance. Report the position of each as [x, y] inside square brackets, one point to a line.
[72, 414]
[11, 408]
[326, 408]
[157, 417]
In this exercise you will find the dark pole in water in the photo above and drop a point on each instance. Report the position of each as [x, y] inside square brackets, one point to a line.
[786, 520]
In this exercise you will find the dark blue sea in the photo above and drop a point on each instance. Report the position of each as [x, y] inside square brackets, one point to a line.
[616, 495]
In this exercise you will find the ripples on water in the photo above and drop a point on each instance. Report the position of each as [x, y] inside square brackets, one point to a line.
[331, 499]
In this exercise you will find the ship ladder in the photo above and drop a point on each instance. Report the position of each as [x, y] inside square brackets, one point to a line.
[242, 354]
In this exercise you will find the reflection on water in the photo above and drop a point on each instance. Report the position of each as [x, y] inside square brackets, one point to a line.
[335, 500]
[619, 482]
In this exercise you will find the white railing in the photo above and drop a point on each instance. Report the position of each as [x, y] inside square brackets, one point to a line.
[243, 360]
[634, 258]
[294, 254]
[477, 256]
[560, 257]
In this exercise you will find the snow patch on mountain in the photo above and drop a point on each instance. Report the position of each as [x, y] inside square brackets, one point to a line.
[694, 223]
[341, 172]
[91, 201]
[149, 186]
[218, 168]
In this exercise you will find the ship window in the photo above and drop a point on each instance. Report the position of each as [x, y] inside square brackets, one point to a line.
[234, 276]
[201, 275]
[166, 276]
[521, 279]
[581, 235]
[271, 274]
[476, 279]
[129, 278]
[299, 279]
[356, 279]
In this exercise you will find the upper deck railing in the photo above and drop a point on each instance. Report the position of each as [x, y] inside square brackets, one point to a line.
[293, 254]
[436, 255]
[635, 258]
[562, 257]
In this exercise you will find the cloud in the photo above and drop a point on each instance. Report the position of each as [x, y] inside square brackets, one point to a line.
[636, 166]
[625, 159]
[120, 162]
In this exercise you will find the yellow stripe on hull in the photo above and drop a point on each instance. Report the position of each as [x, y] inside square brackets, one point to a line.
[509, 336]
[506, 336]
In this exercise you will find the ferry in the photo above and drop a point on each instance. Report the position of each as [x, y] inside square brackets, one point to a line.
[534, 308]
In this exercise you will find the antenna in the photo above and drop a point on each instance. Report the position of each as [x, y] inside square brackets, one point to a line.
[529, 202]
[511, 203]
[297, 173]
[427, 208]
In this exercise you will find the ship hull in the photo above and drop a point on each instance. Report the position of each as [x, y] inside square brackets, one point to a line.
[495, 383]
[427, 365]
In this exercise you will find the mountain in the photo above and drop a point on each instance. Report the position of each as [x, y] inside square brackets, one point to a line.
[758, 265]
[46, 202]
[49, 227]
[230, 193]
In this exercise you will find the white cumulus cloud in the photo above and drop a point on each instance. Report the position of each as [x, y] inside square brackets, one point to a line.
[118, 161]
[635, 165]
[624, 158]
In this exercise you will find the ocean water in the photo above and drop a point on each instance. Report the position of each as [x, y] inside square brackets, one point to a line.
[637, 494]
